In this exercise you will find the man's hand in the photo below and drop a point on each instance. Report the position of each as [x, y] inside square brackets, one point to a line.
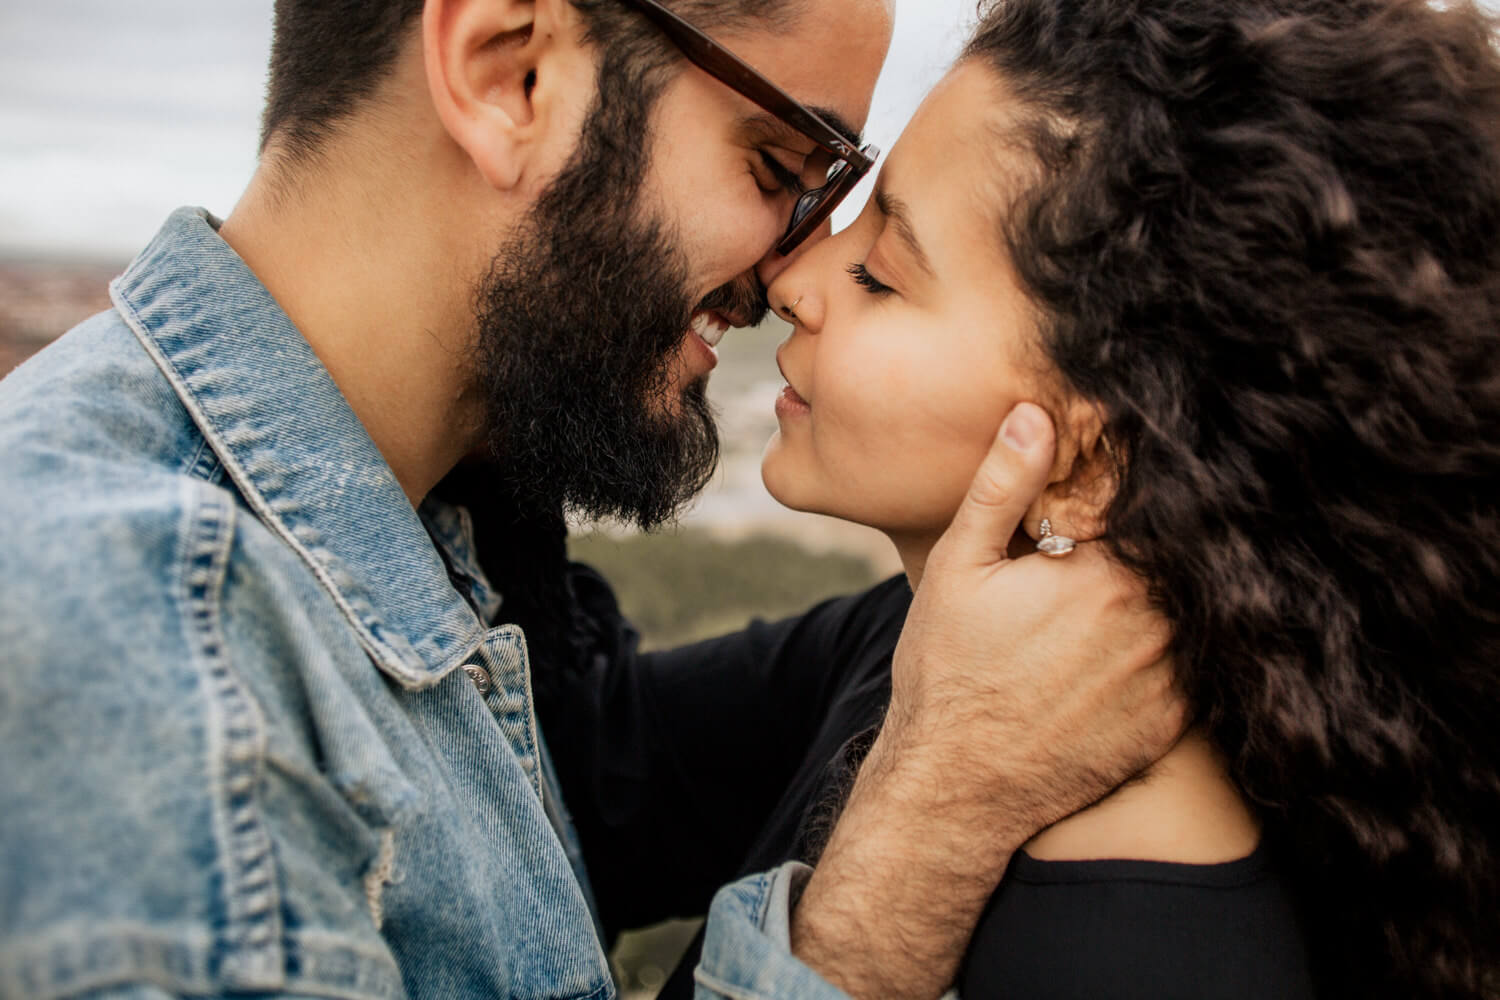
[1022, 691]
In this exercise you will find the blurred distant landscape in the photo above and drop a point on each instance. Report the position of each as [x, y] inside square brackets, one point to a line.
[41, 299]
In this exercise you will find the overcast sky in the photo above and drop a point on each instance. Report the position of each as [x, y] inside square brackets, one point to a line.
[113, 113]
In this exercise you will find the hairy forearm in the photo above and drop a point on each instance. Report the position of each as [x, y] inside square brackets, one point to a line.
[891, 906]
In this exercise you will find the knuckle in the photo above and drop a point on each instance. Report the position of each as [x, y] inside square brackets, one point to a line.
[988, 491]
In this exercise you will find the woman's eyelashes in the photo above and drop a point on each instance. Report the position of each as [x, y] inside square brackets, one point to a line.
[864, 279]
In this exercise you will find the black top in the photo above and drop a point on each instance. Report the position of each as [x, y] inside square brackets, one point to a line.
[685, 770]
[1121, 930]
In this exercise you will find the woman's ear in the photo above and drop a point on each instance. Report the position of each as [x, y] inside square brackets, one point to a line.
[1083, 480]
[501, 75]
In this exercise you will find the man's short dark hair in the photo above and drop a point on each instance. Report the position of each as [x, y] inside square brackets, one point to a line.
[329, 56]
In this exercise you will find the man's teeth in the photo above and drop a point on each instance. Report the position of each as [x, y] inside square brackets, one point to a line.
[709, 328]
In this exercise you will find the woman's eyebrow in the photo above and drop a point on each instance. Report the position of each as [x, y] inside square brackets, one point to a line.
[895, 209]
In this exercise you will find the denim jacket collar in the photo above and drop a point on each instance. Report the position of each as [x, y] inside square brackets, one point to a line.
[295, 450]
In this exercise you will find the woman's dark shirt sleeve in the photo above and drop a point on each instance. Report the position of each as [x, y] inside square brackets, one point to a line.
[673, 763]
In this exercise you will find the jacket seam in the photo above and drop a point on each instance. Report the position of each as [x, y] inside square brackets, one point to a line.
[727, 989]
[247, 946]
[73, 959]
[603, 990]
[205, 464]
[533, 738]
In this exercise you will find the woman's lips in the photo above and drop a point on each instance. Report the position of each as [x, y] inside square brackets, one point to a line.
[791, 404]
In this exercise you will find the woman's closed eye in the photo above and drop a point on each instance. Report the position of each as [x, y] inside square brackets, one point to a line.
[864, 279]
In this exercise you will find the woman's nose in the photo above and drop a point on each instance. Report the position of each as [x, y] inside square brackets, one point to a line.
[799, 290]
[773, 263]
[795, 299]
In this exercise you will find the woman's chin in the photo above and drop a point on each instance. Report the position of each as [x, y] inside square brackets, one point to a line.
[775, 474]
[787, 485]
[784, 495]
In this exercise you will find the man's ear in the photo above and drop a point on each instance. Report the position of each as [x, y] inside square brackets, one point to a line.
[1083, 479]
[485, 62]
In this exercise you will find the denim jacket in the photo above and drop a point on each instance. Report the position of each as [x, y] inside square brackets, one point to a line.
[255, 735]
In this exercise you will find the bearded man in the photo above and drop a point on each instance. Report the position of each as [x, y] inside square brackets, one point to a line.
[268, 724]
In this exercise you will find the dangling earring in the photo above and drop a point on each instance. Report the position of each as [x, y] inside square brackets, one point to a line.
[1056, 546]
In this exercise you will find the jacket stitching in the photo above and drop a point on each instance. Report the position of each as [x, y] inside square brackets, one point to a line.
[248, 943]
[72, 959]
[205, 464]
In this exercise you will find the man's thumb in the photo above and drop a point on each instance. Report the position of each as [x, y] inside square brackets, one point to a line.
[1012, 475]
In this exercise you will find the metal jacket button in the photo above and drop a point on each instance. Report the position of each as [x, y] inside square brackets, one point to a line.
[480, 677]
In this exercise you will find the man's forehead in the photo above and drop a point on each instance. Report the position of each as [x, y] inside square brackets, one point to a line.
[769, 128]
[827, 58]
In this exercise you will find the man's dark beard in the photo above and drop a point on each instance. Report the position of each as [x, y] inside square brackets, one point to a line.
[580, 320]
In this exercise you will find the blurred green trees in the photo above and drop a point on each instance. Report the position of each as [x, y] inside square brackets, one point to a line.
[678, 588]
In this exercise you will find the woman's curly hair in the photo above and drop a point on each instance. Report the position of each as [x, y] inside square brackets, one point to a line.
[1266, 243]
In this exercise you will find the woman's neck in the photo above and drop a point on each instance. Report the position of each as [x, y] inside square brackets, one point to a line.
[1184, 808]
[913, 552]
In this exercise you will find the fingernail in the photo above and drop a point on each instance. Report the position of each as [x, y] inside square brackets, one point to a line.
[1022, 428]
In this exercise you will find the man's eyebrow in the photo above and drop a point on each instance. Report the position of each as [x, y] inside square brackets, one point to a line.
[895, 209]
[769, 125]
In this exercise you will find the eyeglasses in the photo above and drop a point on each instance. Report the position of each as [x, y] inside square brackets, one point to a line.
[851, 162]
